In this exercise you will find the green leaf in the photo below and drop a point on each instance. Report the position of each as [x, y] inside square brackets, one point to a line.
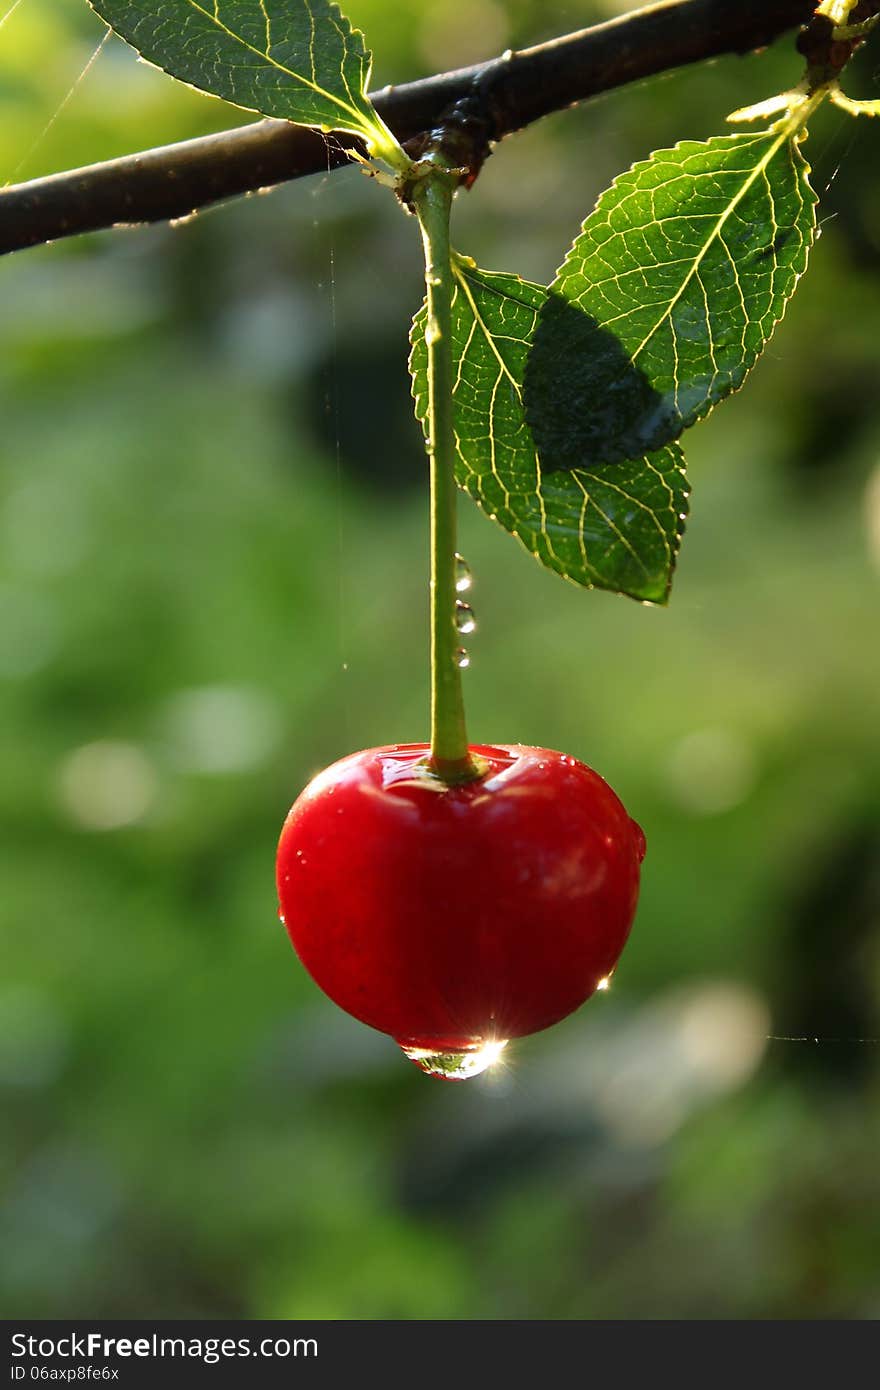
[615, 526]
[668, 295]
[299, 60]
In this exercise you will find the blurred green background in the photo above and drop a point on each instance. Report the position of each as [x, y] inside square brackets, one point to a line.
[213, 582]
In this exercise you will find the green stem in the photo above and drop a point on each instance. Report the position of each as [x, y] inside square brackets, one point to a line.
[450, 757]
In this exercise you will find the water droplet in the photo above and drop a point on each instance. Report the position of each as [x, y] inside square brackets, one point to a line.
[462, 659]
[433, 334]
[465, 620]
[463, 577]
[604, 983]
[639, 837]
[455, 1066]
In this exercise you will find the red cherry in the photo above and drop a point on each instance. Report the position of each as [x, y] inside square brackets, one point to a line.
[457, 917]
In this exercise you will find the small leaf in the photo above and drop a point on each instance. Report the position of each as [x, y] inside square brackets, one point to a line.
[298, 60]
[615, 526]
[854, 108]
[668, 295]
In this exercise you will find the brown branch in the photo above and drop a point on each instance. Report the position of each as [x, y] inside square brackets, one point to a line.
[516, 90]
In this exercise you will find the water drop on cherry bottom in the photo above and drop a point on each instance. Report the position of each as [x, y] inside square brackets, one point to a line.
[457, 918]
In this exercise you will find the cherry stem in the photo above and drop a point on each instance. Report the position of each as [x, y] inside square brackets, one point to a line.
[450, 756]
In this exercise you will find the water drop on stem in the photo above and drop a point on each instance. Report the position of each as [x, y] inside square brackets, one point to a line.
[465, 620]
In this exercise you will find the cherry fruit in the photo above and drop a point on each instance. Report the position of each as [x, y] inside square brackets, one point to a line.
[457, 917]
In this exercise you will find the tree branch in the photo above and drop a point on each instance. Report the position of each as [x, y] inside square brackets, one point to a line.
[516, 90]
